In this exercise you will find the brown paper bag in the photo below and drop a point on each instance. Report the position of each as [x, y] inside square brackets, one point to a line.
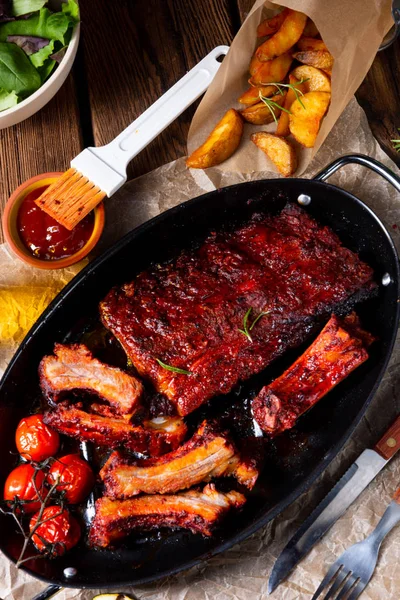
[352, 31]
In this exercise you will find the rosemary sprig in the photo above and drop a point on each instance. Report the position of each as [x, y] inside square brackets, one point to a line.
[271, 104]
[396, 143]
[173, 369]
[246, 328]
[258, 317]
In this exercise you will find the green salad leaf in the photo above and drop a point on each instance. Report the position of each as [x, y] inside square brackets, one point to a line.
[7, 99]
[45, 24]
[31, 46]
[38, 58]
[46, 70]
[71, 8]
[24, 7]
[17, 73]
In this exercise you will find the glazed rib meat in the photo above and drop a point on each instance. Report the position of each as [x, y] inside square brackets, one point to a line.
[197, 511]
[153, 437]
[74, 368]
[336, 352]
[208, 454]
[188, 313]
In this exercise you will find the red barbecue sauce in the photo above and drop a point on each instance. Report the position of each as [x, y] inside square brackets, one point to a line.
[44, 237]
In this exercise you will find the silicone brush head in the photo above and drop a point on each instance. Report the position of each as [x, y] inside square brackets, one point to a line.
[70, 198]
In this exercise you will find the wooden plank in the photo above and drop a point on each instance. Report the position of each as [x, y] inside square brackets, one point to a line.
[134, 52]
[379, 94]
[45, 142]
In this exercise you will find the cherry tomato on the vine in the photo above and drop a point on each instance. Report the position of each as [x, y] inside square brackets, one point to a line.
[21, 484]
[60, 530]
[35, 440]
[74, 475]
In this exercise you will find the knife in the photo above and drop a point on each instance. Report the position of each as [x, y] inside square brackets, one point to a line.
[335, 504]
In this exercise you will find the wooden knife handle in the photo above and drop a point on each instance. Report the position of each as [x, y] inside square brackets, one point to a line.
[390, 442]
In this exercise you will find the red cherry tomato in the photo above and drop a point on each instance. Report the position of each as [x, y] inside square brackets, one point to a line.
[20, 484]
[74, 476]
[62, 530]
[35, 440]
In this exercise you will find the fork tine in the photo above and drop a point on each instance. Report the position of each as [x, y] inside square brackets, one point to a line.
[357, 590]
[347, 587]
[331, 574]
[337, 583]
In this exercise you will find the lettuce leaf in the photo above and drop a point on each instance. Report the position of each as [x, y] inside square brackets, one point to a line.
[28, 43]
[7, 99]
[46, 69]
[23, 7]
[38, 58]
[52, 26]
[59, 55]
[17, 73]
[71, 8]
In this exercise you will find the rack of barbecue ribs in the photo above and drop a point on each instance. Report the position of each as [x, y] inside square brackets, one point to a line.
[197, 511]
[154, 437]
[197, 325]
[194, 327]
[337, 351]
[73, 367]
[208, 454]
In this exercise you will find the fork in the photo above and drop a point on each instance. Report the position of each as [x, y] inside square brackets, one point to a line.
[355, 567]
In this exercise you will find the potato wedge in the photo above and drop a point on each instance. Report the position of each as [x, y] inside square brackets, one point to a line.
[322, 59]
[286, 36]
[220, 144]
[252, 95]
[310, 30]
[272, 71]
[317, 81]
[309, 43]
[254, 65]
[260, 114]
[304, 122]
[271, 25]
[283, 123]
[278, 150]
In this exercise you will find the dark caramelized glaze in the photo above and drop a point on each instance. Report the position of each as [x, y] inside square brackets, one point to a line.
[337, 351]
[188, 313]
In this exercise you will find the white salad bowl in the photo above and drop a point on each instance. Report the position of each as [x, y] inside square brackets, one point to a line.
[45, 93]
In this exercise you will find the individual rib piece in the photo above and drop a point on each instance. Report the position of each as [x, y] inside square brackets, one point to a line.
[197, 511]
[74, 368]
[208, 454]
[188, 313]
[153, 437]
[247, 464]
[336, 352]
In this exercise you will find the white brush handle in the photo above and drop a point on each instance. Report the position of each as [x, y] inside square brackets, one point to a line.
[116, 155]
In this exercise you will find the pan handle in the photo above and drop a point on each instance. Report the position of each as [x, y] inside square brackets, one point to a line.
[365, 161]
[49, 592]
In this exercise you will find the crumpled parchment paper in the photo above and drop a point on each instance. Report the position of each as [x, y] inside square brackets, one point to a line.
[242, 572]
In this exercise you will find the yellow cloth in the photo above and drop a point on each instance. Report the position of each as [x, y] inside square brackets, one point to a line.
[20, 307]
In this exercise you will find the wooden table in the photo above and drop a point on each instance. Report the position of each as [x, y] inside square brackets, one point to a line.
[131, 52]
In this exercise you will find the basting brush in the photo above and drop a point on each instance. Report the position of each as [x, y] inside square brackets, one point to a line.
[97, 173]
